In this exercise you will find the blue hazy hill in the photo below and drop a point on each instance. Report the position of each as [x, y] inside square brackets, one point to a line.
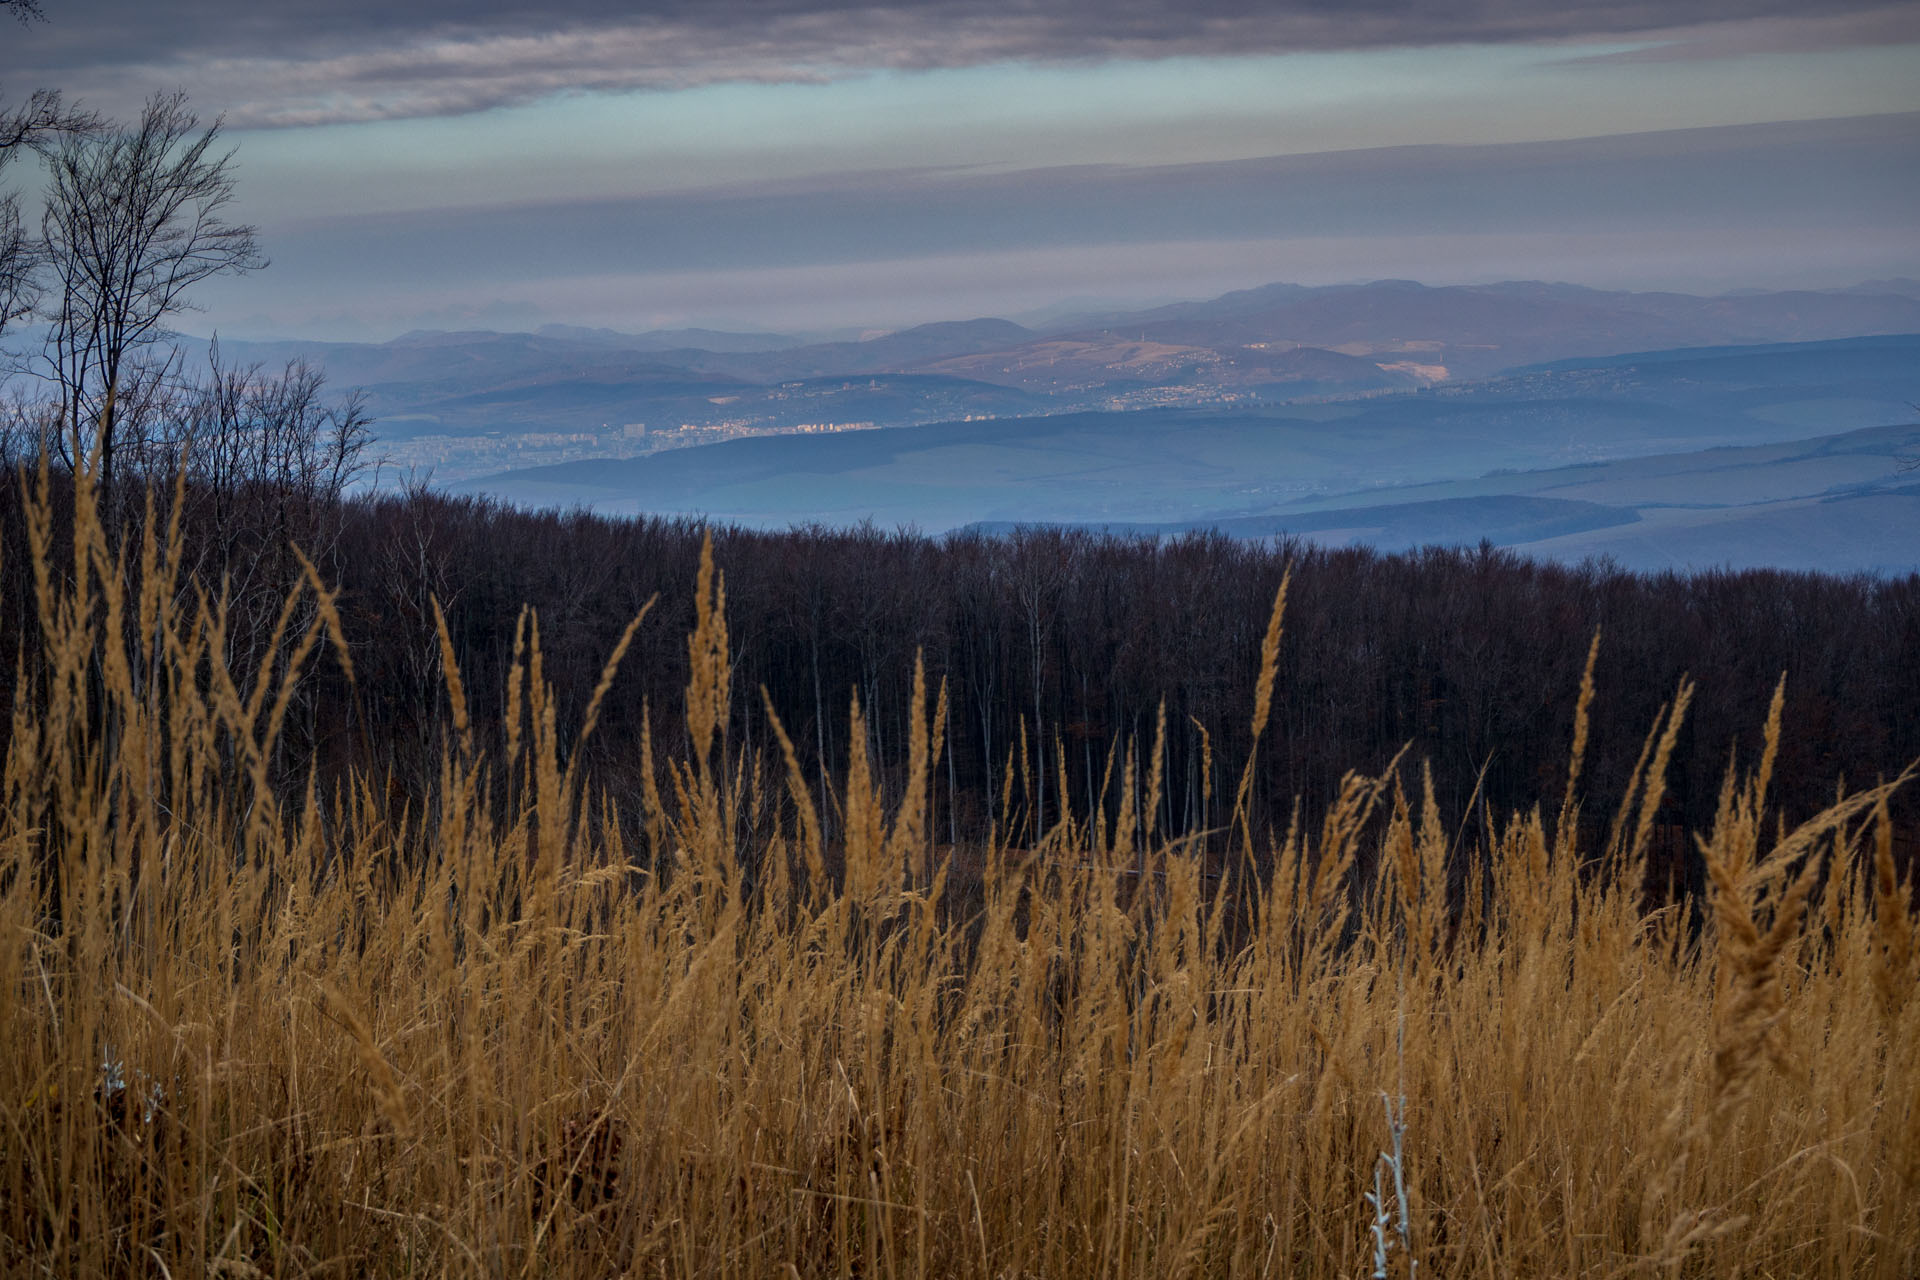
[1657, 458]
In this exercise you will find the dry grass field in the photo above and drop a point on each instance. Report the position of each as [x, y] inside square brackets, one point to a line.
[250, 1027]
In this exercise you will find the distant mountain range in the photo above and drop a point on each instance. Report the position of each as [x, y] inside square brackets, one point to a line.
[1477, 330]
[1797, 455]
[476, 402]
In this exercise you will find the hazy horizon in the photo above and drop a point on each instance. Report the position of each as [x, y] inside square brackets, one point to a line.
[508, 320]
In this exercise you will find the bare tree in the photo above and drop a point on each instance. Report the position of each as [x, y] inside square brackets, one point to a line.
[28, 427]
[25, 129]
[18, 256]
[134, 220]
[30, 127]
[243, 426]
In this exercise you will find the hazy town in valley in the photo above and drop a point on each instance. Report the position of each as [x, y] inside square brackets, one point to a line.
[989, 639]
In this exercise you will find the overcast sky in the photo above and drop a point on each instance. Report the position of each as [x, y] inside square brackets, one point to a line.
[803, 164]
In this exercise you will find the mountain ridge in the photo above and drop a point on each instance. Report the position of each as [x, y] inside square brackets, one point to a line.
[1765, 436]
[476, 402]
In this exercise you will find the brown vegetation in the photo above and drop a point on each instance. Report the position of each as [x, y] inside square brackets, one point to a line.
[259, 1017]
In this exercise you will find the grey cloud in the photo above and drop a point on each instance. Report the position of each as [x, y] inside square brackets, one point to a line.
[304, 62]
[1818, 180]
[1775, 35]
[1807, 203]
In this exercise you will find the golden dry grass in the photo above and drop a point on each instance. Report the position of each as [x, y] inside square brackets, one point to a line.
[347, 1037]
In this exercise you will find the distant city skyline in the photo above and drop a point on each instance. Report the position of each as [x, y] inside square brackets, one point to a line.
[800, 165]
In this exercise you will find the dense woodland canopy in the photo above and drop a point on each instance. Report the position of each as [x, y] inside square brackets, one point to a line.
[1054, 645]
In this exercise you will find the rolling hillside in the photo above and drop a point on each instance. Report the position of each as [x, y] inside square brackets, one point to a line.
[470, 404]
[1658, 458]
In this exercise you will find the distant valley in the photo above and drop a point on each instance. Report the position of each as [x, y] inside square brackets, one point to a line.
[1661, 430]
[465, 405]
[1801, 455]
[1843, 503]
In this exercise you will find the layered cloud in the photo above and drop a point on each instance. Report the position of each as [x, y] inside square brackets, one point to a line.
[306, 62]
[1775, 205]
[464, 156]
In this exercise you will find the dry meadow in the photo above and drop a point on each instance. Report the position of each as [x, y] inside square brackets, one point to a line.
[256, 1022]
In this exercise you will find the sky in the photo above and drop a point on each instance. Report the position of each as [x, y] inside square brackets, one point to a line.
[810, 165]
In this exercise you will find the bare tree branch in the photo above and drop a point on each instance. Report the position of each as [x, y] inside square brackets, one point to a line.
[134, 220]
[28, 127]
[37, 121]
[33, 126]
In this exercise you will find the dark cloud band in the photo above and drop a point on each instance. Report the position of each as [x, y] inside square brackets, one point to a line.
[307, 62]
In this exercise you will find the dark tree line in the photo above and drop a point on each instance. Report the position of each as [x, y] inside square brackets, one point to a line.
[1054, 645]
